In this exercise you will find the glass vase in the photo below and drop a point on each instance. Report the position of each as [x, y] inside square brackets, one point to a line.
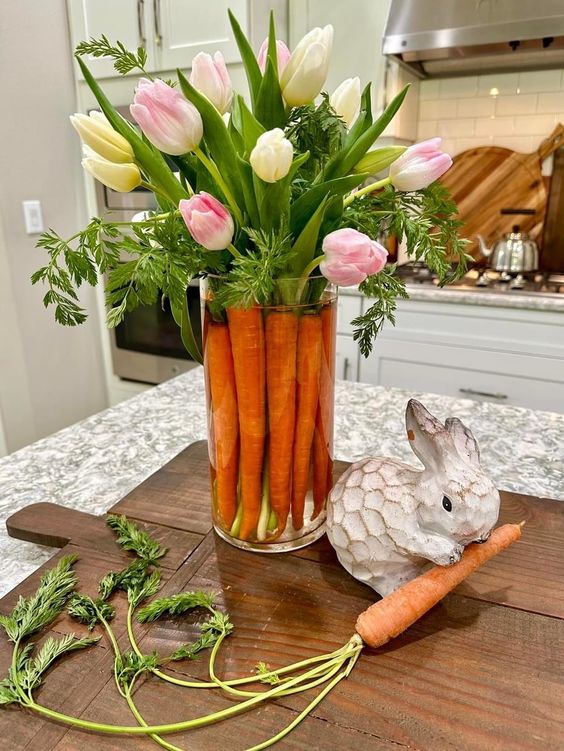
[270, 382]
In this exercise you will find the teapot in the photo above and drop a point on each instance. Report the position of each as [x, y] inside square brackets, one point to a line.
[514, 253]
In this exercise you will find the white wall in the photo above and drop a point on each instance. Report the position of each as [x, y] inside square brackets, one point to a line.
[515, 110]
[50, 376]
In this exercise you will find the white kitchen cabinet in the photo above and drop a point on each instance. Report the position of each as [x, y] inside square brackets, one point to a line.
[185, 27]
[172, 31]
[346, 358]
[503, 355]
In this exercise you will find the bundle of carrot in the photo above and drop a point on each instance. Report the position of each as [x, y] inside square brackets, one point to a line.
[270, 373]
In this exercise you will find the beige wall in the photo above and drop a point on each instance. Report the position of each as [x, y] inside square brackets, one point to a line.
[50, 376]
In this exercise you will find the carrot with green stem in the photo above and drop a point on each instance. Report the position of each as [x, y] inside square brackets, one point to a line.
[224, 416]
[322, 443]
[309, 349]
[397, 611]
[281, 339]
[247, 344]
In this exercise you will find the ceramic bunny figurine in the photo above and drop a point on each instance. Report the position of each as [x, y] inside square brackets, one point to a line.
[387, 520]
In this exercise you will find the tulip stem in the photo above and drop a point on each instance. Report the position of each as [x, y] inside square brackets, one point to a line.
[155, 189]
[311, 266]
[367, 189]
[214, 172]
[233, 250]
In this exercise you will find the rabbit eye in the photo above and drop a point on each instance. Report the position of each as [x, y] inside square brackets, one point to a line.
[447, 505]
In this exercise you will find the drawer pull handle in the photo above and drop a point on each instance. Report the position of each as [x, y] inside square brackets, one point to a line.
[474, 392]
[346, 366]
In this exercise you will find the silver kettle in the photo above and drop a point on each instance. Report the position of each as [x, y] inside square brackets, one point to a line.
[515, 253]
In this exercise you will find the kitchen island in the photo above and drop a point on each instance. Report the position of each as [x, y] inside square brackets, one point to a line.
[91, 465]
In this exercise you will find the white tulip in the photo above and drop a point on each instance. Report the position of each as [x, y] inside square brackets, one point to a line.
[209, 75]
[272, 156]
[120, 177]
[345, 100]
[96, 132]
[306, 71]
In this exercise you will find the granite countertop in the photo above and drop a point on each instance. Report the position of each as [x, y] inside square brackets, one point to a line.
[91, 465]
[466, 294]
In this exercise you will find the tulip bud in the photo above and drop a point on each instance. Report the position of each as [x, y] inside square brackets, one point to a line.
[350, 257]
[168, 120]
[282, 56]
[120, 177]
[345, 100]
[378, 159]
[97, 133]
[272, 156]
[419, 166]
[208, 221]
[306, 71]
[209, 75]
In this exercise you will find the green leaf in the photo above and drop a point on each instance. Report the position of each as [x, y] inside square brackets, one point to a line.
[348, 157]
[364, 119]
[306, 244]
[216, 135]
[151, 160]
[378, 159]
[247, 183]
[269, 108]
[182, 319]
[246, 124]
[254, 76]
[304, 207]
[131, 537]
[176, 605]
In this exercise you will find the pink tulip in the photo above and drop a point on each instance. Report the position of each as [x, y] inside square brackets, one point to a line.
[419, 165]
[351, 256]
[170, 122]
[282, 55]
[208, 221]
[209, 75]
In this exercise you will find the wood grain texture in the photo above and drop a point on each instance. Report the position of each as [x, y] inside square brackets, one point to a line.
[552, 255]
[482, 670]
[487, 179]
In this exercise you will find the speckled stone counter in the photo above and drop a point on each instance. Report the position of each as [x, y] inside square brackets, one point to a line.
[497, 299]
[91, 465]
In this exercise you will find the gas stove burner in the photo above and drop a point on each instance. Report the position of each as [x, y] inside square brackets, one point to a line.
[518, 282]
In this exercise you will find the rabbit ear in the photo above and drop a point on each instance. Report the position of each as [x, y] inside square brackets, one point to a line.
[428, 437]
[464, 442]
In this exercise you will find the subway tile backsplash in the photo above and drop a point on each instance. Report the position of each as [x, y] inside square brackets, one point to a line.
[515, 110]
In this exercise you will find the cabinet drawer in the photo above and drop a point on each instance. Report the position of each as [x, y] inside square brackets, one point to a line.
[519, 380]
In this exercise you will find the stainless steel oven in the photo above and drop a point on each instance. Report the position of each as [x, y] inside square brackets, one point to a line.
[146, 346]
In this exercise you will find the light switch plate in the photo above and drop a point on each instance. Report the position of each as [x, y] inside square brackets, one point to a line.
[33, 217]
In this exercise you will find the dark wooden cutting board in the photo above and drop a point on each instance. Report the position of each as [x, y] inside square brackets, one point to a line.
[487, 179]
[482, 670]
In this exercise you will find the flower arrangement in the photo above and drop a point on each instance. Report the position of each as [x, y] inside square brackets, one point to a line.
[269, 203]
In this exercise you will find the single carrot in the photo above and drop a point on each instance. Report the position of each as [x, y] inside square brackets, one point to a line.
[247, 344]
[322, 438]
[397, 611]
[224, 416]
[309, 349]
[281, 329]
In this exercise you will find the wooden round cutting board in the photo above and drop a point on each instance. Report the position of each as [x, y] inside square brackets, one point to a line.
[485, 180]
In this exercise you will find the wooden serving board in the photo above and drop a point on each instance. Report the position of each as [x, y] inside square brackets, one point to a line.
[482, 670]
[487, 179]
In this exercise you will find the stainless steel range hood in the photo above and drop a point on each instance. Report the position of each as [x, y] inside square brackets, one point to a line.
[459, 37]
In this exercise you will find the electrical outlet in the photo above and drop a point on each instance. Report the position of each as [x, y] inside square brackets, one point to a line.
[33, 217]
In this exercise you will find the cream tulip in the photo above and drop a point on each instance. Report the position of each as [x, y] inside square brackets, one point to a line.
[272, 156]
[96, 132]
[306, 71]
[120, 177]
[345, 100]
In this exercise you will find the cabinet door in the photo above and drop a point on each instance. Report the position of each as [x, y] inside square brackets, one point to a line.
[346, 359]
[125, 21]
[185, 27]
